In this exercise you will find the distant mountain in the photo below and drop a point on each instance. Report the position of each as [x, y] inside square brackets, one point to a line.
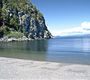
[75, 36]
[56, 36]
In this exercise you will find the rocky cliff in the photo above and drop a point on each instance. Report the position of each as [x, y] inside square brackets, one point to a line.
[20, 16]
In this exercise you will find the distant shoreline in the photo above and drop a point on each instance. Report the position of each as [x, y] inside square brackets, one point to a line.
[11, 68]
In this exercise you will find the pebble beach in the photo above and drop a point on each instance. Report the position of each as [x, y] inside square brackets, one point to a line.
[18, 69]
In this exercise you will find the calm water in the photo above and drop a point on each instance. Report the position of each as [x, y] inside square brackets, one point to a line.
[72, 50]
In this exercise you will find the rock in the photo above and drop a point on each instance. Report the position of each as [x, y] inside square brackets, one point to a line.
[9, 40]
[12, 39]
[30, 21]
[0, 40]
[24, 38]
[4, 39]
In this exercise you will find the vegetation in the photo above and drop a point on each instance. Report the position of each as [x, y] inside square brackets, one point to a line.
[15, 35]
[14, 22]
[11, 20]
[4, 30]
[0, 10]
[0, 13]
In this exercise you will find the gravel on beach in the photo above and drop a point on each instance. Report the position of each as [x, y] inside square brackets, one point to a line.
[18, 69]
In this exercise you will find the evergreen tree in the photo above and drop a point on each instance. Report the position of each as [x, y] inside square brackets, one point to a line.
[0, 13]
[0, 10]
[3, 16]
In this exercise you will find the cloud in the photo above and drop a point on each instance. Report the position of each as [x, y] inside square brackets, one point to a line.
[83, 29]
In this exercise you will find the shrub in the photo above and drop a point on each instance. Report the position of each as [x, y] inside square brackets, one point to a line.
[7, 30]
[4, 30]
[15, 35]
[33, 16]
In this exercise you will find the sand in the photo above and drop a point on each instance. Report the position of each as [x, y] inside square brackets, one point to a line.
[18, 69]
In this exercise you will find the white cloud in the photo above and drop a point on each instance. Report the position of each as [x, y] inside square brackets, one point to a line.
[83, 29]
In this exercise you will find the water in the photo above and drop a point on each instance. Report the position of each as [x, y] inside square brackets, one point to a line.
[71, 50]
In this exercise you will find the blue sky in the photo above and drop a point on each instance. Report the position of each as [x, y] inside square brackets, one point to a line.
[65, 17]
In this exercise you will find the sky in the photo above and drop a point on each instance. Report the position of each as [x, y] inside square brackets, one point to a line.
[65, 17]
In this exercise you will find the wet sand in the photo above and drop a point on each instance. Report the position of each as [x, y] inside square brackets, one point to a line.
[18, 69]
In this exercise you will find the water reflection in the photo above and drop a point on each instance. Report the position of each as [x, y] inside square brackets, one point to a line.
[35, 45]
[27, 50]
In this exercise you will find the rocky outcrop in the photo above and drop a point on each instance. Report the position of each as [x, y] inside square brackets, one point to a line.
[35, 28]
[29, 20]
[13, 39]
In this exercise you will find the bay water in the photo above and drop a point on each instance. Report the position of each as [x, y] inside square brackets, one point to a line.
[68, 50]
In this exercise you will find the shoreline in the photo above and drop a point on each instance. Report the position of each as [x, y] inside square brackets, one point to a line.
[21, 40]
[12, 68]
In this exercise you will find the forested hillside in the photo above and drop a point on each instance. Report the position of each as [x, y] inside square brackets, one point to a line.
[22, 18]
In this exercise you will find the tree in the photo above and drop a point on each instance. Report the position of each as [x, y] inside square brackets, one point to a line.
[12, 22]
[4, 1]
[0, 12]
[3, 16]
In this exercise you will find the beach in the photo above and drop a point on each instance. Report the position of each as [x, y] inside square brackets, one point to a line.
[18, 69]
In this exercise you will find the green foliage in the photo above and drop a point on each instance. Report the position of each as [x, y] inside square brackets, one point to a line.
[34, 7]
[45, 33]
[23, 29]
[13, 29]
[4, 1]
[37, 10]
[33, 16]
[15, 35]
[25, 9]
[19, 30]
[24, 32]
[0, 10]
[15, 6]
[14, 22]
[5, 30]
[40, 16]
[0, 14]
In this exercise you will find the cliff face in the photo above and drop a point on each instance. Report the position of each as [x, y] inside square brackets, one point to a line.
[22, 16]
